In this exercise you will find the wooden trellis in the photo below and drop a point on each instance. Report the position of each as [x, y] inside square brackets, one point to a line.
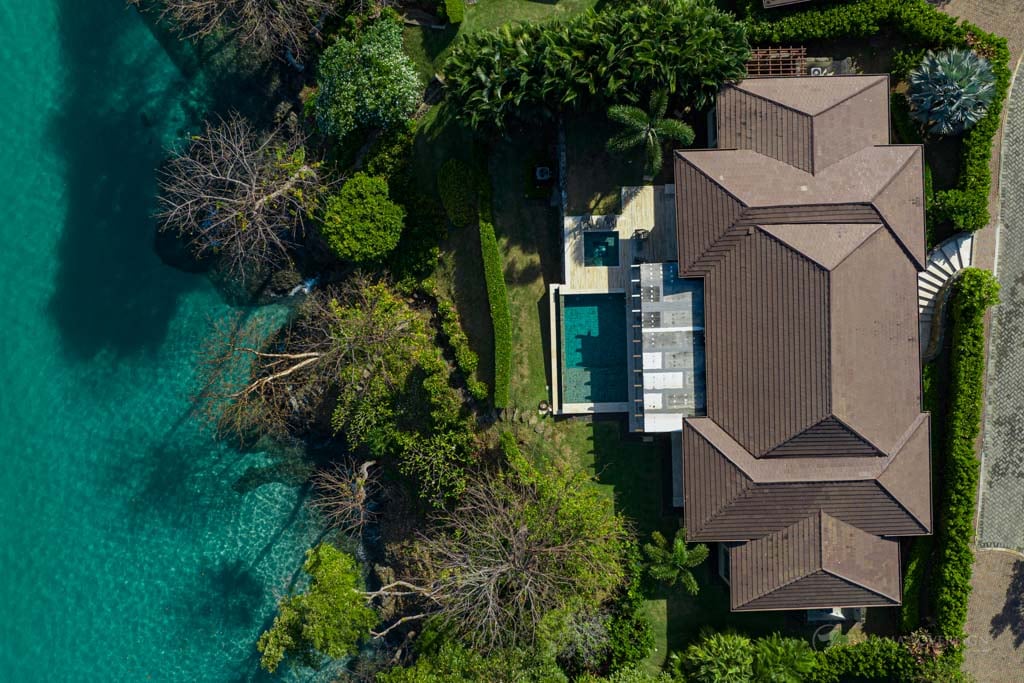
[777, 61]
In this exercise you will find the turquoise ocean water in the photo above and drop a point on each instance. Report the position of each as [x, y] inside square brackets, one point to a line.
[130, 547]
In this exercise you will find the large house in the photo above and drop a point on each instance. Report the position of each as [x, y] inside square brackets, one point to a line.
[774, 335]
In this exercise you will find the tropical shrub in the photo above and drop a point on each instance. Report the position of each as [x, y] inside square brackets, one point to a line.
[630, 634]
[686, 47]
[950, 91]
[672, 563]
[456, 185]
[874, 659]
[718, 658]
[328, 619]
[497, 296]
[782, 660]
[974, 291]
[648, 129]
[453, 662]
[368, 82]
[361, 223]
[922, 27]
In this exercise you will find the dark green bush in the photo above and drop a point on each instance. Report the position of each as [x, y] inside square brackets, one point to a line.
[465, 358]
[361, 223]
[874, 659]
[922, 27]
[630, 635]
[974, 291]
[910, 611]
[456, 186]
[497, 296]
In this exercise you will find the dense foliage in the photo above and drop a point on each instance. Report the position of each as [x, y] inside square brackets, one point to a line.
[366, 82]
[921, 25]
[361, 223]
[686, 47]
[974, 292]
[497, 296]
[328, 619]
[648, 129]
[782, 660]
[950, 91]
[465, 358]
[517, 547]
[396, 401]
[718, 658]
[457, 188]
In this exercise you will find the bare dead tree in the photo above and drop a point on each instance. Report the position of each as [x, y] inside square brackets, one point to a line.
[510, 553]
[276, 384]
[239, 194]
[270, 27]
[344, 492]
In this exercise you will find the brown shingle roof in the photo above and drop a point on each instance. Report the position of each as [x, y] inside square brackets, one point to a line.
[732, 496]
[809, 235]
[809, 123]
[818, 561]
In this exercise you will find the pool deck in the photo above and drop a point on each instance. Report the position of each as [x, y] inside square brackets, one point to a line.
[647, 207]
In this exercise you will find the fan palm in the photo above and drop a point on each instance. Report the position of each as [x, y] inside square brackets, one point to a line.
[647, 129]
[672, 564]
[950, 91]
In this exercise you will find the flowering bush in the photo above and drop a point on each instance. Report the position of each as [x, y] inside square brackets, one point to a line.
[366, 83]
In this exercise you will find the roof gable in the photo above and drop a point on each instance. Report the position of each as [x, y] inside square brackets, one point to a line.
[811, 96]
[827, 244]
[818, 561]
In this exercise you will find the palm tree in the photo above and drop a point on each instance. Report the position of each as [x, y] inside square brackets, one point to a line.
[673, 564]
[647, 129]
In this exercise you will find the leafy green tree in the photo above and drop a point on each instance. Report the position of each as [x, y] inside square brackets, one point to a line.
[649, 130]
[672, 564]
[361, 223]
[782, 660]
[329, 619]
[452, 662]
[368, 82]
[718, 658]
[950, 91]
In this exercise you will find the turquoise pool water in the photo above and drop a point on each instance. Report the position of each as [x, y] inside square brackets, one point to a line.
[594, 348]
[600, 248]
[132, 547]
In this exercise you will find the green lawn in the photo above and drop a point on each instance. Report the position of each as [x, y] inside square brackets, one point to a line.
[428, 46]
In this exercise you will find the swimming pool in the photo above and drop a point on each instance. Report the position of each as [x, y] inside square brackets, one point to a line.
[594, 366]
[600, 248]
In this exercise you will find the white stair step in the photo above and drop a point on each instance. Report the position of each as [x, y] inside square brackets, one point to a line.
[931, 278]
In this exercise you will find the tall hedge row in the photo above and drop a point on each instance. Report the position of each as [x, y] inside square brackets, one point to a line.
[922, 26]
[497, 297]
[975, 290]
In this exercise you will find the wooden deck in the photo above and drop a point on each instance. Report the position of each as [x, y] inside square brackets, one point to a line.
[649, 208]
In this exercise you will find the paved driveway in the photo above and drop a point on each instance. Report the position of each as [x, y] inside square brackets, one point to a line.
[1001, 521]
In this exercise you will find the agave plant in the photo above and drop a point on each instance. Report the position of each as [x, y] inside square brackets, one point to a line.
[950, 91]
[648, 130]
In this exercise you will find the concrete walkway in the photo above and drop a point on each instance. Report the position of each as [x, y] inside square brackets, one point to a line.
[1002, 485]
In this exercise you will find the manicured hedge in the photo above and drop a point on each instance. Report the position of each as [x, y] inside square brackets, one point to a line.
[457, 188]
[910, 611]
[874, 659]
[497, 296]
[975, 290]
[455, 10]
[465, 358]
[923, 26]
